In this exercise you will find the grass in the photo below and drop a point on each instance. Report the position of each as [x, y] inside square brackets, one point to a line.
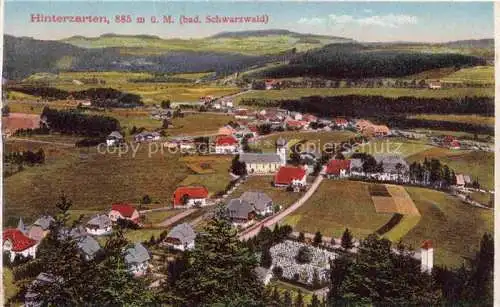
[264, 184]
[315, 140]
[141, 235]
[477, 74]
[338, 205]
[294, 290]
[155, 217]
[437, 73]
[468, 119]
[31, 106]
[9, 287]
[398, 146]
[93, 182]
[199, 124]
[215, 181]
[402, 228]
[296, 93]
[454, 227]
[477, 164]
[483, 198]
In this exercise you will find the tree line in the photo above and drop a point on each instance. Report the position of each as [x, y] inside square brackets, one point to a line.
[74, 122]
[373, 106]
[99, 97]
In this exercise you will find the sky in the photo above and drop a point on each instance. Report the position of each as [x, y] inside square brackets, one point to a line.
[362, 21]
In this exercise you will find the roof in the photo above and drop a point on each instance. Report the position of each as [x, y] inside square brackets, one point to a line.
[356, 163]
[258, 199]
[18, 239]
[44, 221]
[389, 162]
[225, 140]
[191, 192]
[101, 221]
[335, 166]
[261, 272]
[116, 135]
[88, 245]
[295, 123]
[259, 158]
[182, 232]
[286, 174]
[41, 279]
[239, 209]
[281, 141]
[20, 225]
[136, 253]
[146, 134]
[126, 210]
[427, 244]
[460, 179]
[467, 179]
[341, 121]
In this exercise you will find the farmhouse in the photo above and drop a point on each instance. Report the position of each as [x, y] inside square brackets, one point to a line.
[190, 196]
[271, 84]
[242, 114]
[40, 228]
[290, 176]
[137, 259]
[226, 130]
[147, 137]
[341, 123]
[295, 124]
[240, 211]
[88, 246]
[261, 202]
[338, 168]
[356, 167]
[435, 85]
[460, 180]
[395, 168]
[15, 242]
[123, 211]
[99, 225]
[261, 163]
[225, 144]
[114, 138]
[181, 237]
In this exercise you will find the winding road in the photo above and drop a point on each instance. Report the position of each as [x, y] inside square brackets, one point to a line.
[270, 221]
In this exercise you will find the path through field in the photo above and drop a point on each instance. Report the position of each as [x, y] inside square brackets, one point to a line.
[173, 219]
[270, 221]
[41, 142]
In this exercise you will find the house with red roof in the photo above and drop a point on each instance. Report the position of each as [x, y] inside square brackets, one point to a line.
[295, 124]
[455, 144]
[15, 242]
[290, 176]
[271, 84]
[341, 123]
[337, 168]
[123, 211]
[226, 144]
[188, 196]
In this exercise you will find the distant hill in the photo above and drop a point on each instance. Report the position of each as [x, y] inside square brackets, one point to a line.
[263, 42]
[26, 56]
[357, 61]
[274, 32]
[472, 43]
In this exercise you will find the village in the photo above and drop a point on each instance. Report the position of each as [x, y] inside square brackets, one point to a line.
[295, 166]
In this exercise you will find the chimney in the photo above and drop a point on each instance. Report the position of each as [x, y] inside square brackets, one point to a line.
[426, 257]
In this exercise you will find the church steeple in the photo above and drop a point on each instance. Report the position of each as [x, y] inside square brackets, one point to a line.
[281, 150]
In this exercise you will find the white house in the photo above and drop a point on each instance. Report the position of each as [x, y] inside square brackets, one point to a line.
[261, 202]
[189, 196]
[99, 225]
[114, 138]
[137, 259]
[123, 211]
[15, 242]
[181, 237]
[226, 144]
[147, 137]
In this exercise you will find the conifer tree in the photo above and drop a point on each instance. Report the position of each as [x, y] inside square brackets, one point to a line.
[287, 298]
[346, 241]
[299, 299]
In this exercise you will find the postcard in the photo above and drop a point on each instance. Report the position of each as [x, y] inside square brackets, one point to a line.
[276, 153]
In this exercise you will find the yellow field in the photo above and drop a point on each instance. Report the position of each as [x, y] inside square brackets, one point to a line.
[477, 74]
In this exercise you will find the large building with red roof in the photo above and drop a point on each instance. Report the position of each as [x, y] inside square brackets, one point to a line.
[15, 242]
[290, 175]
[338, 168]
[226, 144]
[123, 211]
[190, 196]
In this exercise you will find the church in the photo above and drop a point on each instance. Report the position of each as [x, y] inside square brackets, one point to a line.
[265, 163]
